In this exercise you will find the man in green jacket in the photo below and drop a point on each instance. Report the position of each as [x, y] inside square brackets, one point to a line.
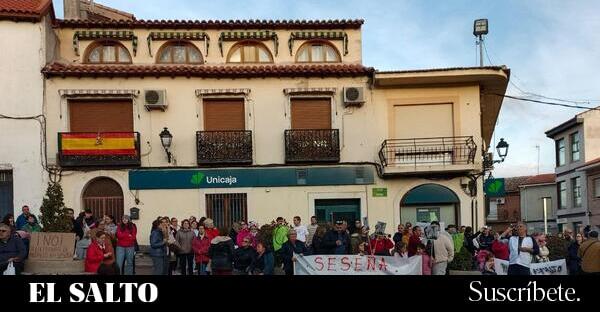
[458, 238]
[279, 238]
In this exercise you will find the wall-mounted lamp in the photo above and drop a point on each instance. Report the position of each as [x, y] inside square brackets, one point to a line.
[166, 138]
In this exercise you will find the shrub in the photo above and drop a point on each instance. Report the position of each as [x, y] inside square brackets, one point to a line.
[54, 217]
[463, 261]
[558, 247]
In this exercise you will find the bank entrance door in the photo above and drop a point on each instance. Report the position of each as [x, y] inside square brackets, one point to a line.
[331, 210]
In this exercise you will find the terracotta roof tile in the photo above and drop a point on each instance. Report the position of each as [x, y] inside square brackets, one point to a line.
[24, 9]
[540, 179]
[216, 24]
[512, 184]
[208, 71]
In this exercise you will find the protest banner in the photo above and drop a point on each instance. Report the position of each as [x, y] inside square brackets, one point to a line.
[557, 267]
[357, 265]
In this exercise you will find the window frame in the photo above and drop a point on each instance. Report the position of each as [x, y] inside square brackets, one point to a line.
[572, 137]
[308, 45]
[101, 44]
[596, 184]
[558, 152]
[562, 202]
[256, 44]
[576, 189]
[175, 43]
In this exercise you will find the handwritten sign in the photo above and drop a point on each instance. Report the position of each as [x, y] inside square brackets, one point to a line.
[557, 267]
[357, 265]
[52, 246]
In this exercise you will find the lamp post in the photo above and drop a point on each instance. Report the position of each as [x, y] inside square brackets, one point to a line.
[166, 138]
[480, 28]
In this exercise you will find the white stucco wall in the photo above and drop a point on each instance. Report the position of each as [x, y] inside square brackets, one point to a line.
[23, 53]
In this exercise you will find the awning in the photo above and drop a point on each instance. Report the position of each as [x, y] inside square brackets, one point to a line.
[205, 92]
[72, 93]
[104, 34]
[156, 36]
[427, 194]
[253, 35]
[327, 35]
[301, 91]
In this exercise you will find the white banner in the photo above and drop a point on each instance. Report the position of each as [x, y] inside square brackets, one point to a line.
[357, 265]
[557, 267]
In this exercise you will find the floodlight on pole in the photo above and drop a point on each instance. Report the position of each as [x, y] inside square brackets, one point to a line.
[480, 28]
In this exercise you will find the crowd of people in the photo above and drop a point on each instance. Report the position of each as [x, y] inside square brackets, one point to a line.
[197, 246]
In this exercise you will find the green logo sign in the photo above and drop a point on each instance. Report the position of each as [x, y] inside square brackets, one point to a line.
[197, 178]
[494, 187]
[380, 192]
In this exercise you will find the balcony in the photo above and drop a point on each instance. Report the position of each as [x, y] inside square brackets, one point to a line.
[99, 149]
[224, 147]
[312, 146]
[442, 155]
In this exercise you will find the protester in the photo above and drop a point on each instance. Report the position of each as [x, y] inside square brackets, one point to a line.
[22, 219]
[399, 235]
[443, 250]
[301, 230]
[126, 236]
[173, 246]
[9, 220]
[253, 233]
[485, 239]
[221, 254]
[110, 227]
[194, 226]
[568, 235]
[12, 249]
[469, 237]
[589, 252]
[544, 254]
[458, 239]
[292, 247]
[381, 245]
[209, 226]
[522, 248]
[500, 249]
[316, 245]
[401, 251]
[336, 241]
[243, 233]
[414, 240]
[200, 245]
[425, 259]
[264, 262]
[184, 238]
[312, 229]
[573, 259]
[100, 252]
[362, 236]
[235, 229]
[243, 257]
[158, 247]
[279, 238]
[489, 267]
[32, 226]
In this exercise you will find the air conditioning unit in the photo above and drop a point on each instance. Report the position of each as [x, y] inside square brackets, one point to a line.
[155, 99]
[354, 96]
[500, 201]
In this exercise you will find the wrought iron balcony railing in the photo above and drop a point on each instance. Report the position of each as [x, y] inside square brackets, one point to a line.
[309, 146]
[224, 147]
[99, 149]
[441, 151]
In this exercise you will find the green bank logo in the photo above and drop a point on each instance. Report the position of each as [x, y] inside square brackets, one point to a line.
[495, 187]
[197, 178]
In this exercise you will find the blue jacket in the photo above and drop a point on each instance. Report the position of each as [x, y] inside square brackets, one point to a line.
[21, 221]
[263, 264]
[14, 247]
[158, 247]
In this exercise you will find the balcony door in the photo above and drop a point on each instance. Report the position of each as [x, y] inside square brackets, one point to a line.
[100, 116]
[311, 113]
[224, 114]
[104, 196]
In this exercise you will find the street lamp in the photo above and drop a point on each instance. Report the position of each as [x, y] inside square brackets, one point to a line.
[166, 138]
[502, 149]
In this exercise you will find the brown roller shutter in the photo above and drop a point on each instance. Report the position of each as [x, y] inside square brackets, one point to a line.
[224, 114]
[101, 116]
[311, 114]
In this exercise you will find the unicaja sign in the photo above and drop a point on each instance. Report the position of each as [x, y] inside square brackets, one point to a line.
[200, 178]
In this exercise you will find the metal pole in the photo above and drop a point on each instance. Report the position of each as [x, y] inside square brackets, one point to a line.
[545, 215]
[481, 50]
[538, 159]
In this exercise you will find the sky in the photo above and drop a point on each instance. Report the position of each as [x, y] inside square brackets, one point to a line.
[552, 48]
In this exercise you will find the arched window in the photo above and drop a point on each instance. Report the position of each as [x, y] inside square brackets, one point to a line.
[249, 52]
[104, 196]
[107, 52]
[179, 52]
[317, 52]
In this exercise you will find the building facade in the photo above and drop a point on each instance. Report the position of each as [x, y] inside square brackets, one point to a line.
[592, 172]
[29, 44]
[577, 141]
[505, 210]
[258, 119]
[538, 204]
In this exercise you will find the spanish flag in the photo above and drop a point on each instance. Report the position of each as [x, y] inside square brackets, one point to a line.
[107, 143]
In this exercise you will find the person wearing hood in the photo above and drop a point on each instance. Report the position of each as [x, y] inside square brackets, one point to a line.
[211, 231]
[221, 253]
[243, 233]
[290, 249]
[243, 257]
[200, 245]
[184, 238]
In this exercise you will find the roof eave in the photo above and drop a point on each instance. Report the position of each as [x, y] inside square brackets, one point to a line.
[564, 127]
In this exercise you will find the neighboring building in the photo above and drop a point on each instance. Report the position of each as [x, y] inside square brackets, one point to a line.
[92, 11]
[28, 44]
[592, 171]
[536, 191]
[577, 141]
[262, 129]
[506, 210]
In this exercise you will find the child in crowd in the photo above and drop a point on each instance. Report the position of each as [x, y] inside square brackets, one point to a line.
[400, 250]
[489, 267]
[424, 258]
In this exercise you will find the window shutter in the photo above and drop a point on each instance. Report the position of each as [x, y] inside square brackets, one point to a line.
[224, 114]
[101, 116]
[311, 113]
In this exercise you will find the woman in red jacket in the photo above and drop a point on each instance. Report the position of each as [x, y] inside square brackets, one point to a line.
[200, 245]
[99, 253]
[126, 236]
[500, 249]
[381, 245]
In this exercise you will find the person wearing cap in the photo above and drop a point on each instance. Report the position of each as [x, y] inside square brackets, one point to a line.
[337, 240]
[126, 237]
[589, 252]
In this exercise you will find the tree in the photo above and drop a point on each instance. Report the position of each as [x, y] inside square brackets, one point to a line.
[54, 216]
